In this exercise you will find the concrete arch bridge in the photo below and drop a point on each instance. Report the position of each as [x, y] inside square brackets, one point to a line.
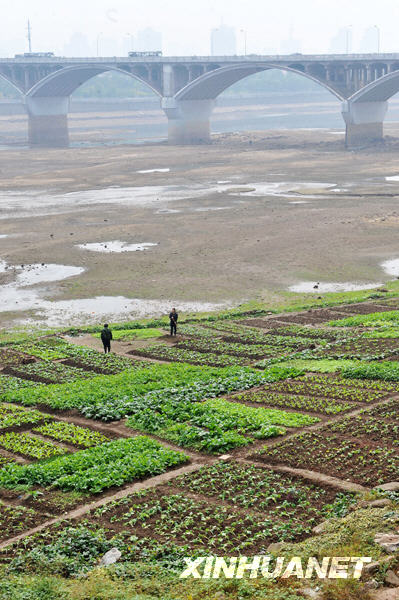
[189, 86]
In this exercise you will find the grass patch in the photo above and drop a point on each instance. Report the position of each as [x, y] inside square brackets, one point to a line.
[135, 334]
[319, 366]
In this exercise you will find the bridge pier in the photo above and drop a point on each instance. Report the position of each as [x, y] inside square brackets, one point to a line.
[364, 122]
[48, 121]
[188, 120]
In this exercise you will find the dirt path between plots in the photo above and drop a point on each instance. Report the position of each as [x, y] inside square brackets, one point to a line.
[346, 486]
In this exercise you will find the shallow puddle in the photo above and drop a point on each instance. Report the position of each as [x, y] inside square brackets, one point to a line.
[154, 171]
[22, 293]
[314, 287]
[286, 189]
[27, 203]
[210, 208]
[391, 267]
[110, 308]
[115, 247]
[42, 273]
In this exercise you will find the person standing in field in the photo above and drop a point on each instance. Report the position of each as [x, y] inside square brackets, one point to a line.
[106, 337]
[173, 316]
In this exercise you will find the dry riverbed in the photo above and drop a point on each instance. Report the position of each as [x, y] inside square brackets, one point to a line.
[246, 217]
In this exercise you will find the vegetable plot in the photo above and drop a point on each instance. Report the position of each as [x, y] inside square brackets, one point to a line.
[194, 357]
[325, 406]
[212, 426]
[13, 416]
[245, 508]
[96, 469]
[29, 445]
[48, 372]
[72, 434]
[336, 455]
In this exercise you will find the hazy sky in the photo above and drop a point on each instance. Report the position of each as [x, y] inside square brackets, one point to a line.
[186, 24]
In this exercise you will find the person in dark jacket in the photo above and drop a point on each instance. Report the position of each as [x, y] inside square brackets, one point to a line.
[173, 316]
[106, 337]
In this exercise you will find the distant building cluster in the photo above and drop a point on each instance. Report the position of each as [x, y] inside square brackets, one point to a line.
[223, 41]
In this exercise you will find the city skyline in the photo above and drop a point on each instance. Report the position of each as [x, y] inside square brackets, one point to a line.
[186, 26]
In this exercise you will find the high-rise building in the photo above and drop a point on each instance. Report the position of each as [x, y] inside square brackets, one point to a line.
[291, 45]
[223, 41]
[341, 43]
[370, 41]
[77, 45]
[148, 40]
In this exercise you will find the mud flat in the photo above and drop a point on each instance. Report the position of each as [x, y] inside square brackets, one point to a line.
[246, 217]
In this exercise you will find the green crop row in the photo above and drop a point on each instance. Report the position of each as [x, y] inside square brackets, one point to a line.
[11, 416]
[109, 395]
[212, 383]
[96, 469]
[335, 455]
[322, 405]
[176, 354]
[51, 372]
[292, 500]
[371, 320]
[214, 425]
[29, 445]
[253, 335]
[215, 346]
[8, 383]
[72, 434]
[385, 371]
[53, 348]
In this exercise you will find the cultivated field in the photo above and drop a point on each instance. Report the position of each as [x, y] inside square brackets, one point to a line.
[245, 431]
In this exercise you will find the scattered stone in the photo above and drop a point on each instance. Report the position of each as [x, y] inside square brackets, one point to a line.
[392, 594]
[110, 557]
[380, 503]
[320, 528]
[371, 567]
[375, 566]
[309, 593]
[224, 456]
[371, 585]
[392, 486]
[391, 578]
[388, 541]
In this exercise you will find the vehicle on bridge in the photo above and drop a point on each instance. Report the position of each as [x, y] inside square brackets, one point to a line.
[145, 54]
[35, 55]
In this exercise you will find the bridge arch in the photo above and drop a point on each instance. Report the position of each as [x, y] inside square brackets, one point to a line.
[380, 90]
[47, 102]
[209, 85]
[63, 82]
[12, 84]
